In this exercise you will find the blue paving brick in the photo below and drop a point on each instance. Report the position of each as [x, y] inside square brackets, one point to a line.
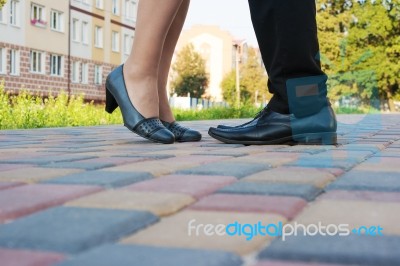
[72, 230]
[326, 162]
[353, 249]
[129, 255]
[307, 192]
[226, 169]
[102, 178]
[364, 180]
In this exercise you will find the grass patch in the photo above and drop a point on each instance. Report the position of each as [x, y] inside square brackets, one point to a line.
[25, 110]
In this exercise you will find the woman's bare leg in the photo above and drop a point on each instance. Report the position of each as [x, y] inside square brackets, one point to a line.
[141, 68]
[165, 63]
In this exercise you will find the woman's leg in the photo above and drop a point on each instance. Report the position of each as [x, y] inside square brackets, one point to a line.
[141, 68]
[165, 63]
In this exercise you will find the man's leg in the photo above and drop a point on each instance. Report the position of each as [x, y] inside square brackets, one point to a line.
[286, 31]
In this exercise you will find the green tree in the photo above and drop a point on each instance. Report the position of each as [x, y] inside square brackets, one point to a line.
[360, 47]
[253, 81]
[2, 3]
[189, 73]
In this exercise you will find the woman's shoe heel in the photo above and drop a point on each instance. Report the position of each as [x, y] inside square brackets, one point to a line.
[111, 103]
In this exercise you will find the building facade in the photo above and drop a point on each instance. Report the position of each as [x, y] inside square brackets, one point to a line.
[219, 49]
[69, 45]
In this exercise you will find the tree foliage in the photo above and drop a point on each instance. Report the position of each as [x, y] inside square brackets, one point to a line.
[2, 3]
[253, 82]
[360, 48]
[189, 73]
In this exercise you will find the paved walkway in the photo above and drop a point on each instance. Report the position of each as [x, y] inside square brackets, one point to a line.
[96, 196]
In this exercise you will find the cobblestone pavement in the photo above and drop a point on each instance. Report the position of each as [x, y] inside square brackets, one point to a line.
[103, 196]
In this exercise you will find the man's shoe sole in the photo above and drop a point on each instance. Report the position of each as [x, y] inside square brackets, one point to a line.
[323, 138]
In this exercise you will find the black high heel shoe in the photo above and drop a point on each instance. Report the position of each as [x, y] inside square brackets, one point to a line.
[117, 95]
[181, 133]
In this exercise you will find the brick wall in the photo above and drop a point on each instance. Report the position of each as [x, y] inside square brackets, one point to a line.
[42, 84]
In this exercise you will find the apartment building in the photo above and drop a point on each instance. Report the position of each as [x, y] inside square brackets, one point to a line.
[219, 49]
[68, 45]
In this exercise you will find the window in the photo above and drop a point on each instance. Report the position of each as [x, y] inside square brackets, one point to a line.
[86, 2]
[75, 71]
[3, 69]
[99, 4]
[38, 15]
[56, 65]
[57, 21]
[3, 15]
[14, 12]
[85, 32]
[115, 41]
[98, 75]
[75, 30]
[128, 41]
[14, 62]
[115, 7]
[37, 62]
[98, 37]
[130, 9]
[85, 73]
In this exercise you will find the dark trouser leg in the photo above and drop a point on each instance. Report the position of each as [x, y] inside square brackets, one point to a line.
[286, 31]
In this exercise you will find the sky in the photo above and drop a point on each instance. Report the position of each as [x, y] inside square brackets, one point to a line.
[230, 15]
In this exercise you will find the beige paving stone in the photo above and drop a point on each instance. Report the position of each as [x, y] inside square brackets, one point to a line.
[313, 176]
[174, 231]
[160, 204]
[35, 174]
[354, 213]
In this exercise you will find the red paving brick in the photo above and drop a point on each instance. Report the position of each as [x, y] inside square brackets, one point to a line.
[24, 200]
[286, 206]
[362, 195]
[9, 257]
[195, 185]
[6, 185]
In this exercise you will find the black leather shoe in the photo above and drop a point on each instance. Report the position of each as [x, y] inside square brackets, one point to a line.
[275, 128]
[117, 95]
[258, 115]
[181, 133]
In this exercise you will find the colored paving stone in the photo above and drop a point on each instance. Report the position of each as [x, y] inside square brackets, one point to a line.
[354, 213]
[167, 166]
[24, 200]
[288, 207]
[306, 192]
[226, 169]
[34, 174]
[128, 255]
[49, 159]
[353, 249]
[102, 178]
[194, 185]
[182, 232]
[10, 257]
[297, 175]
[160, 204]
[325, 162]
[72, 230]
[5, 185]
[292, 263]
[380, 164]
[368, 180]
[6, 167]
[361, 195]
[273, 159]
